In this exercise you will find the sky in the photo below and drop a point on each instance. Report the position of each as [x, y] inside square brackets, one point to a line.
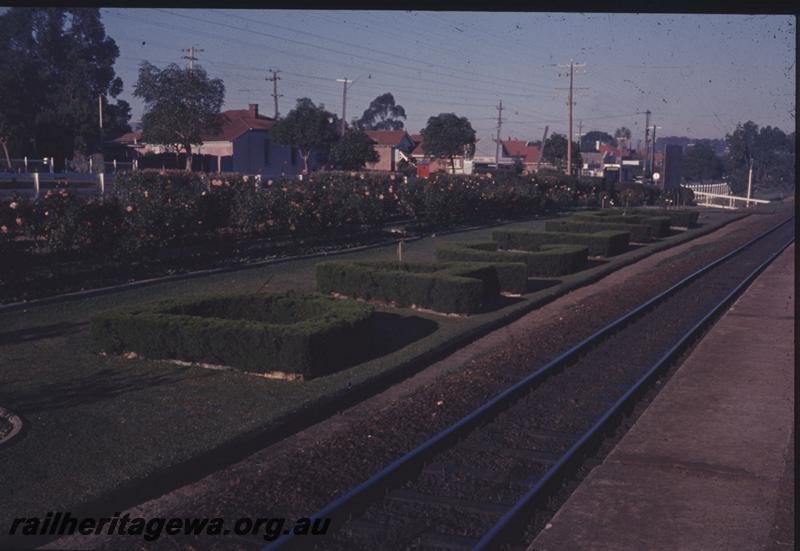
[698, 74]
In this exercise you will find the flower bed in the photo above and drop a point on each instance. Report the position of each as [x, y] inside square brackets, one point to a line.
[548, 261]
[603, 243]
[640, 233]
[659, 225]
[462, 288]
[149, 213]
[303, 335]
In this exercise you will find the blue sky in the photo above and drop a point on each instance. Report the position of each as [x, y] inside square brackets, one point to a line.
[698, 74]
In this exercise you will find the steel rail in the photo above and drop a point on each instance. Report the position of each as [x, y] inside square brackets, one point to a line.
[415, 457]
[506, 521]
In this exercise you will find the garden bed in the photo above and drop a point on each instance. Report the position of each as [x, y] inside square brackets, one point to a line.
[640, 233]
[678, 218]
[659, 225]
[603, 243]
[271, 334]
[448, 287]
[548, 261]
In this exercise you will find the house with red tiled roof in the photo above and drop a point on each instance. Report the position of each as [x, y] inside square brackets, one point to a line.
[241, 144]
[527, 152]
[392, 146]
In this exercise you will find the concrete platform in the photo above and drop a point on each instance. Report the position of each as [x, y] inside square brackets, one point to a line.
[709, 464]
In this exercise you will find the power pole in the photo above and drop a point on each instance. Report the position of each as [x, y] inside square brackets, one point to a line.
[191, 50]
[541, 150]
[653, 157]
[572, 66]
[646, 143]
[344, 102]
[100, 112]
[499, 126]
[275, 95]
[749, 182]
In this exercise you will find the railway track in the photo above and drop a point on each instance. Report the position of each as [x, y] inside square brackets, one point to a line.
[478, 483]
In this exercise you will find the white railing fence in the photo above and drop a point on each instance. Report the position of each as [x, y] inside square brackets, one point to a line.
[718, 200]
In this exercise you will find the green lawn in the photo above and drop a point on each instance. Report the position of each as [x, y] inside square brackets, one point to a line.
[96, 424]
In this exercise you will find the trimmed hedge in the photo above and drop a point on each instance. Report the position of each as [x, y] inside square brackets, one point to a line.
[640, 233]
[678, 218]
[457, 287]
[659, 225]
[604, 243]
[310, 335]
[549, 260]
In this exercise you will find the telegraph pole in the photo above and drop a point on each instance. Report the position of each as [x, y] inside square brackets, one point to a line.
[499, 126]
[572, 66]
[653, 156]
[191, 50]
[100, 111]
[646, 143]
[344, 101]
[275, 95]
[541, 149]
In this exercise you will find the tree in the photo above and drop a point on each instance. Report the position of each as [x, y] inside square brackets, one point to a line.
[353, 151]
[447, 135]
[54, 64]
[180, 105]
[623, 134]
[590, 139]
[771, 152]
[382, 114]
[701, 163]
[555, 152]
[308, 127]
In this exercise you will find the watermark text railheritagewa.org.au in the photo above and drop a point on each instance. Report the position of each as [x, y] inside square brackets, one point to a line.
[64, 524]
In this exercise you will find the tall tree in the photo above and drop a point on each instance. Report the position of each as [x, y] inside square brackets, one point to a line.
[622, 135]
[701, 163]
[447, 135]
[555, 152]
[180, 105]
[382, 114]
[309, 128]
[771, 152]
[590, 139]
[55, 63]
[354, 150]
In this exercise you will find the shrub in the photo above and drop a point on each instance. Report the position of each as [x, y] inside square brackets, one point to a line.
[678, 218]
[659, 225]
[309, 335]
[444, 287]
[639, 232]
[604, 243]
[549, 260]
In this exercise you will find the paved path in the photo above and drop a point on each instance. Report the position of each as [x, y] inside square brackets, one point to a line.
[709, 464]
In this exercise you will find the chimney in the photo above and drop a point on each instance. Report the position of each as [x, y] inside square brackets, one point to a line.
[253, 108]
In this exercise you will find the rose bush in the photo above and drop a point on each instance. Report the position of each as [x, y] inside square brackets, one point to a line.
[150, 211]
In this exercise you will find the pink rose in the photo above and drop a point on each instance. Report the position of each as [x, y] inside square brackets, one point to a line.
[129, 208]
[3, 229]
[18, 221]
[13, 205]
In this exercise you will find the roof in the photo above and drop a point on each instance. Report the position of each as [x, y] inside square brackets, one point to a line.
[416, 138]
[525, 151]
[129, 137]
[387, 137]
[236, 122]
